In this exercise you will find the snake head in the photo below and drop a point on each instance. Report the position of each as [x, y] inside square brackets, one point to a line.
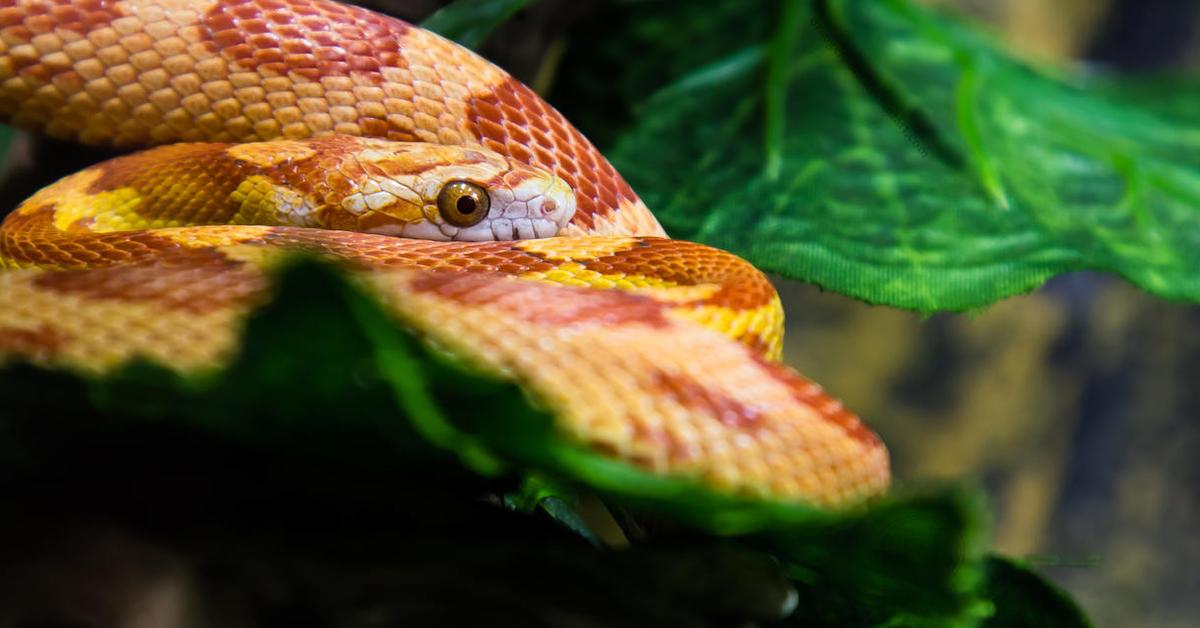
[436, 192]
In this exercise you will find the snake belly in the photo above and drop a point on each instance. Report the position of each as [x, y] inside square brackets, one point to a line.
[658, 352]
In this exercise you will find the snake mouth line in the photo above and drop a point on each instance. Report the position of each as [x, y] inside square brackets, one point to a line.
[499, 229]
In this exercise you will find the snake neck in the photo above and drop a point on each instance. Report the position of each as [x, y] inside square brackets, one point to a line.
[336, 182]
[146, 72]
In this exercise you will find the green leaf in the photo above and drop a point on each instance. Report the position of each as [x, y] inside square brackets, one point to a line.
[1023, 599]
[469, 22]
[1101, 183]
[913, 561]
[559, 501]
[914, 164]
[776, 85]
[1170, 96]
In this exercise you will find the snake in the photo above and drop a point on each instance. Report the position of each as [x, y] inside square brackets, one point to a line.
[472, 210]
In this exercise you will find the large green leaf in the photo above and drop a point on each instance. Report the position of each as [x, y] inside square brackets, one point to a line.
[868, 571]
[891, 154]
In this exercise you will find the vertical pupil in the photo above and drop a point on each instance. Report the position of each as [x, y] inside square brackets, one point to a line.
[465, 204]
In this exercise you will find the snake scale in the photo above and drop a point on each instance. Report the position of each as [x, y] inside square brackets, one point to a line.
[284, 125]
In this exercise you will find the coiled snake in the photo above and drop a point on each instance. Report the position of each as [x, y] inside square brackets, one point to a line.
[335, 131]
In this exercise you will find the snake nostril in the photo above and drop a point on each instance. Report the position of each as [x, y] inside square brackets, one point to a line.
[548, 207]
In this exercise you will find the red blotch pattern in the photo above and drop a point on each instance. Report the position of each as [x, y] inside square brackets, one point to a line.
[33, 344]
[542, 304]
[196, 281]
[694, 396]
[30, 238]
[515, 121]
[812, 395]
[243, 70]
[22, 23]
[306, 39]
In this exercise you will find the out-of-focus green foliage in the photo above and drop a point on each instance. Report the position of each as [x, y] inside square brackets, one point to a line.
[325, 374]
[888, 153]
[1022, 598]
[469, 22]
[6, 137]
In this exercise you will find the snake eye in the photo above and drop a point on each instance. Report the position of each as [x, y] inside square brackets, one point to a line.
[462, 203]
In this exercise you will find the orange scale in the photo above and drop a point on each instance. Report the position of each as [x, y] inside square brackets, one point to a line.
[516, 118]
[543, 124]
[561, 135]
[519, 136]
[488, 110]
[544, 156]
[259, 31]
[507, 96]
[587, 161]
[373, 126]
[540, 135]
[519, 152]
[586, 187]
[489, 130]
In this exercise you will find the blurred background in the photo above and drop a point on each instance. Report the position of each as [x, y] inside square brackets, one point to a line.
[1076, 405]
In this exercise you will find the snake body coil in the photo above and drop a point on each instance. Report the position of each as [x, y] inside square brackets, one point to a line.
[331, 129]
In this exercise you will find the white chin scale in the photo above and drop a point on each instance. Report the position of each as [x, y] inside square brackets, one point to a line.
[488, 230]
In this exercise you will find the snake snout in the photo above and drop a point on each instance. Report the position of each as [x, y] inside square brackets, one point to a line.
[556, 204]
[535, 207]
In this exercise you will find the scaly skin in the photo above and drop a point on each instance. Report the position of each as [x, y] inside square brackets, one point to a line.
[655, 351]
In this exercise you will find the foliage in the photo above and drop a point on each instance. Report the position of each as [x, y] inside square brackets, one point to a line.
[326, 378]
[888, 153]
[469, 22]
[1022, 598]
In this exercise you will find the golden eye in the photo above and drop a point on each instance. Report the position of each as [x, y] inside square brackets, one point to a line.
[462, 203]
